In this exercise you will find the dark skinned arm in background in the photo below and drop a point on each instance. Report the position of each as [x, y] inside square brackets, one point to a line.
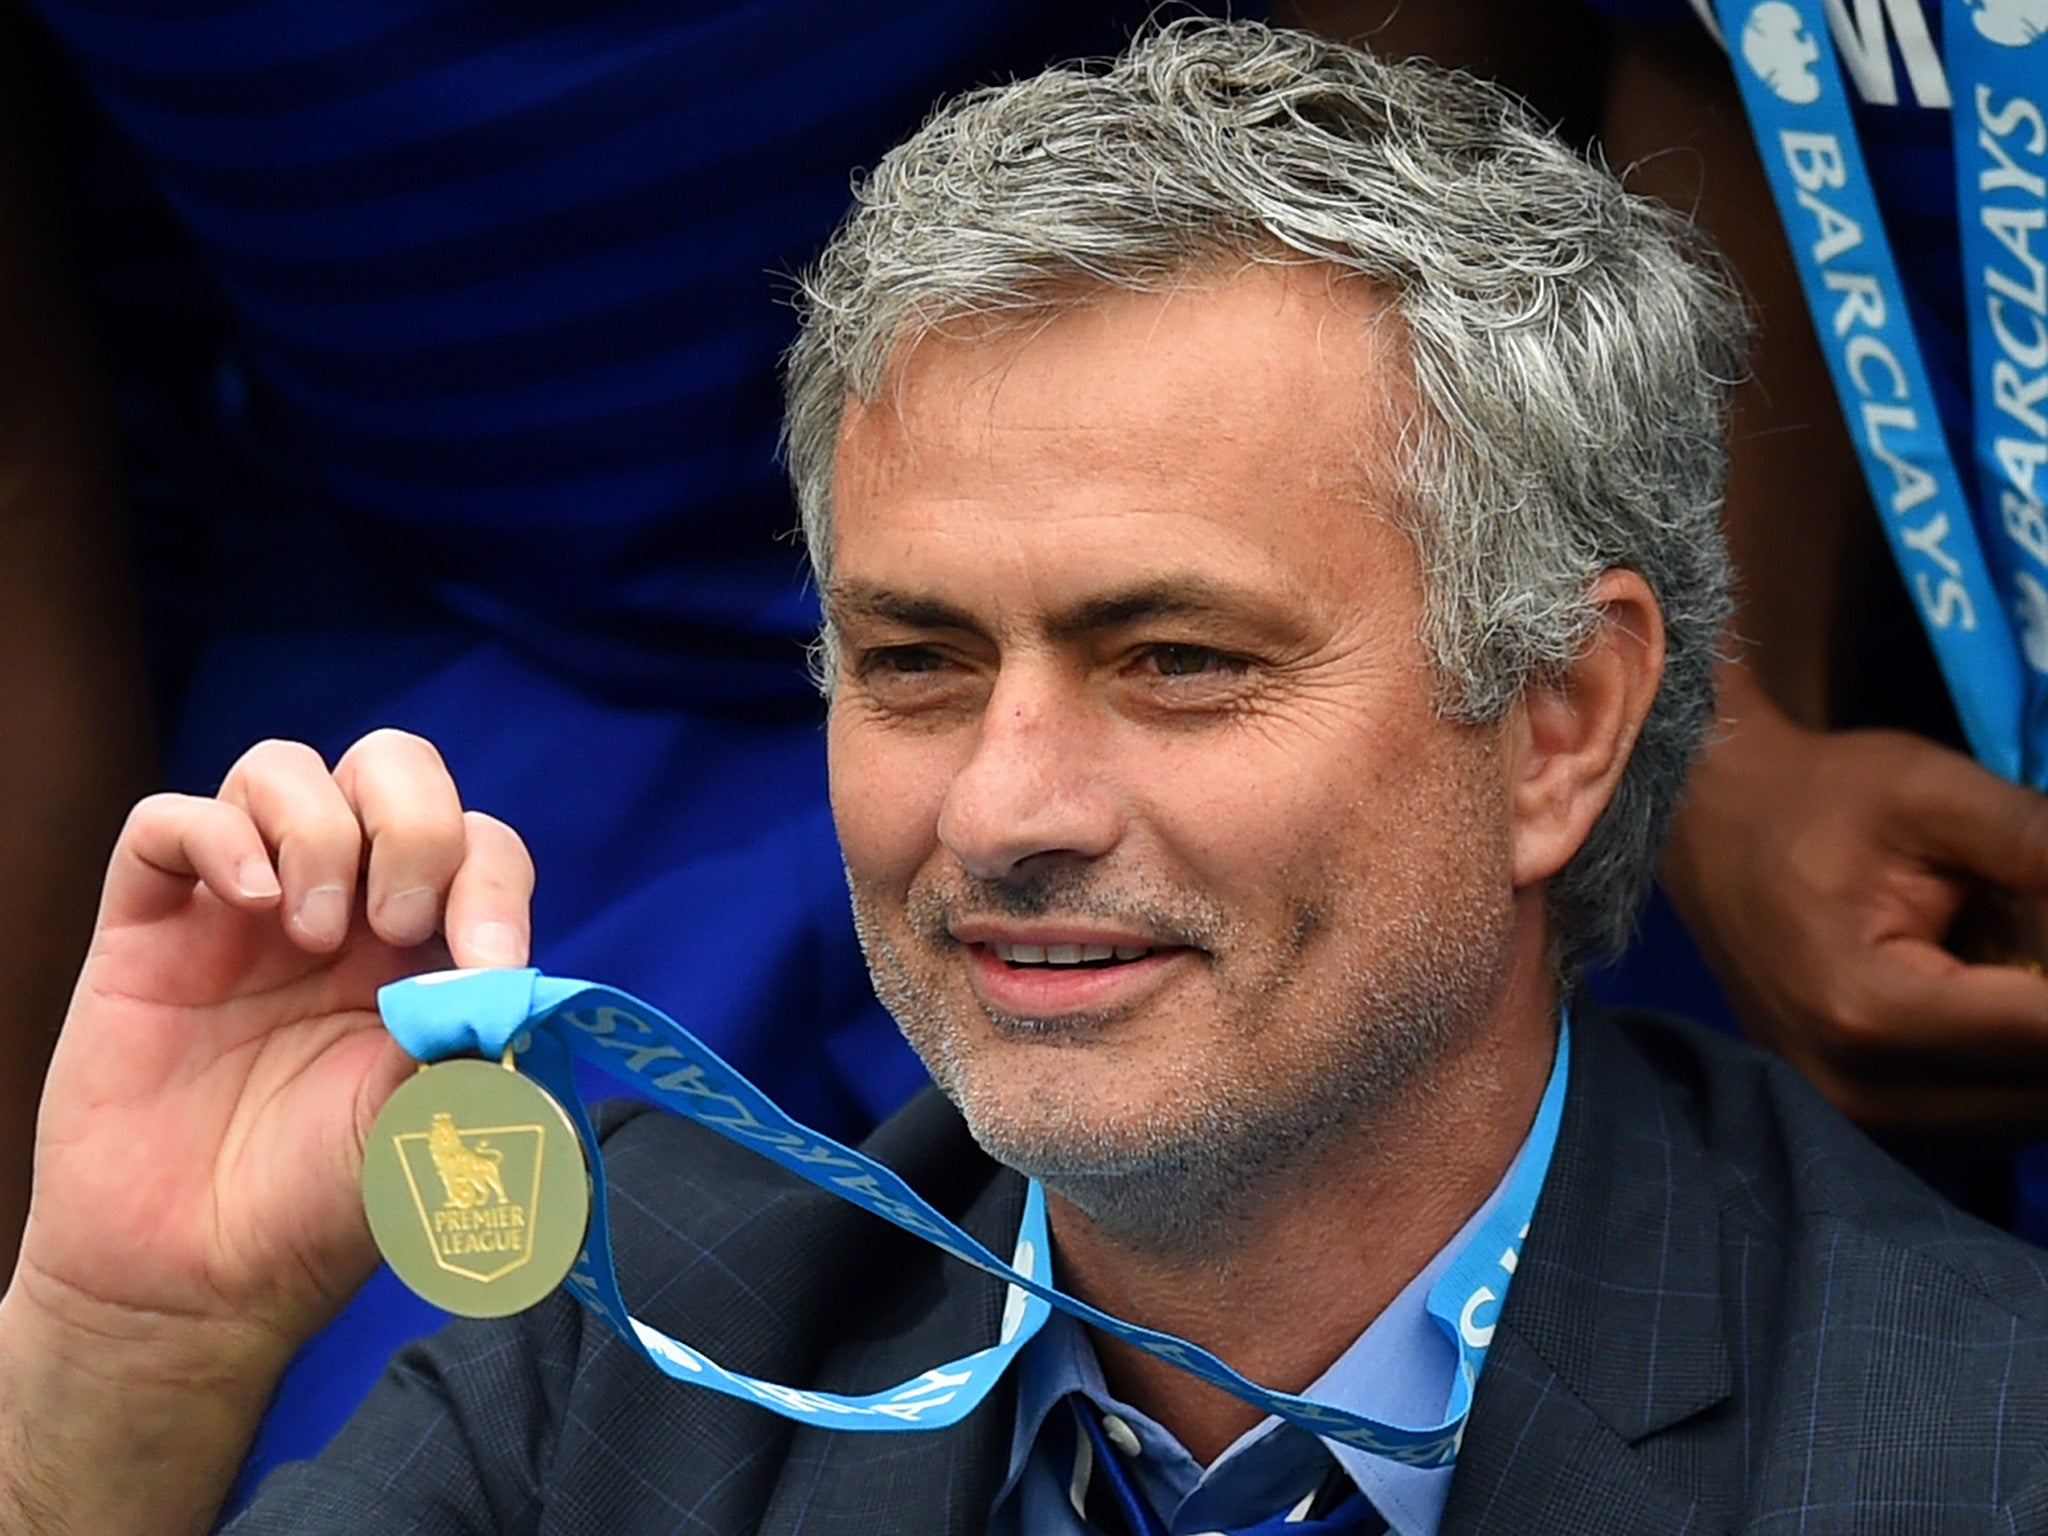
[75, 746]
[1820, 871]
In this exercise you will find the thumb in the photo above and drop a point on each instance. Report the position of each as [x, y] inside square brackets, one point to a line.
[1956, 813]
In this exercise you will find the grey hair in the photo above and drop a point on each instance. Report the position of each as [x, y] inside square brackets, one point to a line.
[1573, 346]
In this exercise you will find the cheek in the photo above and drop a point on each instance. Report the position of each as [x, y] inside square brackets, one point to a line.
[1253, 811]
[1373, 825]
[886, 794]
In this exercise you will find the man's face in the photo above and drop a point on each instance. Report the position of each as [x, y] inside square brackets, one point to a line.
[1159, 852]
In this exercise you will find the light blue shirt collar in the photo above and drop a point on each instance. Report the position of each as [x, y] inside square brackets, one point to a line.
[1400, 1369]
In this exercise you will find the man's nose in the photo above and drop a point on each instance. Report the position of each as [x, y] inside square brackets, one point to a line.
[1037, 785]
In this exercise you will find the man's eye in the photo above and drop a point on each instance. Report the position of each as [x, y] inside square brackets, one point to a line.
[901, 659]
[1190, 660]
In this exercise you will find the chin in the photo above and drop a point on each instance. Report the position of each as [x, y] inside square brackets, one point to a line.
[1169, 1175]
[1035, 1115]
[1157, 1187]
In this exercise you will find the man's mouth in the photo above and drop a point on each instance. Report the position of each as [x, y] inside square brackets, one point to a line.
[1067, 954]
[1055, 975]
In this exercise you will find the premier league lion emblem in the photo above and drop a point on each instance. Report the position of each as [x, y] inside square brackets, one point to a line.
[469, 1176]
[489, 1177]
[1776, 47]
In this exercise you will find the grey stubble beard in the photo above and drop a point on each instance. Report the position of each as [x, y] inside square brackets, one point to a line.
[1181, 1189]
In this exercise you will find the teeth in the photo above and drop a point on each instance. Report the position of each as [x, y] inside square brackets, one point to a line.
[1067, 954]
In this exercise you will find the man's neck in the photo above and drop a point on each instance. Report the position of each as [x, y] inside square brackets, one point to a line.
[1332, 1242]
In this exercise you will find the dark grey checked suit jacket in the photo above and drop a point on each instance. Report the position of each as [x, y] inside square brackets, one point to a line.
[1731, 1314]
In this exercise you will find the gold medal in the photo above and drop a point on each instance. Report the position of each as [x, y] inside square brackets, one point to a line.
[476, 1188]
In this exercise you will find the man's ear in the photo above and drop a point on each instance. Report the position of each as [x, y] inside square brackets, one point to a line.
[1572, 733]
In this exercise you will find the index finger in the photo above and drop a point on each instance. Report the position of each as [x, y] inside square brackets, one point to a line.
[411, 816]
[1918, 999]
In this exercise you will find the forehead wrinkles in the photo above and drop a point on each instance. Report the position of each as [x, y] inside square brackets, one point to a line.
[1291, 339]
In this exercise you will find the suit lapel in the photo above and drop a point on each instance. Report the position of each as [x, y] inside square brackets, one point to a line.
[1615, 1328]
[940, 1482]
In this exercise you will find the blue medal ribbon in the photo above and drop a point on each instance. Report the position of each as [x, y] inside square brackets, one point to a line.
[1998, 72]
[1956, 559]
[549, 1021]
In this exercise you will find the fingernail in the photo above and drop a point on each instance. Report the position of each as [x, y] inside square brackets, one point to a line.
[496, 943]
[409, 915]
[323, 915]
[255, 878]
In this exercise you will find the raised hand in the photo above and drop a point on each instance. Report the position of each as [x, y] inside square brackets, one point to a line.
[1822, 875]
[197, 1210]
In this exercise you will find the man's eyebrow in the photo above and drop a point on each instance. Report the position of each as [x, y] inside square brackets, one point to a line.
[1165, 598]
[1173, 597]
[868, 600]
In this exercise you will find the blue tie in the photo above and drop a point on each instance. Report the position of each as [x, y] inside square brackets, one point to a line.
[1114, 1506]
